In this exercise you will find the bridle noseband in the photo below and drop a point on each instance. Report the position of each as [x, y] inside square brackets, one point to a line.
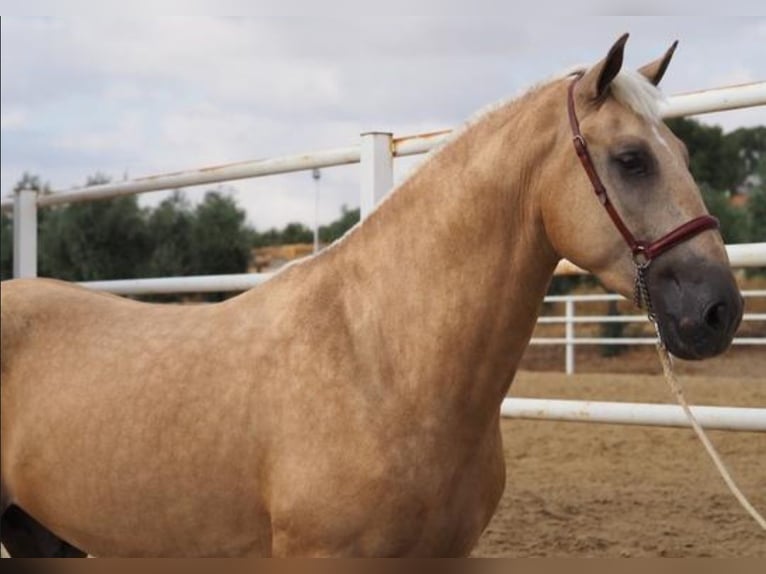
[644, 252]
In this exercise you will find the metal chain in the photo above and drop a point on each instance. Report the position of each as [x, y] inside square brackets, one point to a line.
[642, 300]
[641, 292]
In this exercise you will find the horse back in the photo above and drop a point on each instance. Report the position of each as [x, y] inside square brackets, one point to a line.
[34, 309]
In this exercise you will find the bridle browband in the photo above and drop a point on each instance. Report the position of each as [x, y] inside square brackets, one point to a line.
[644, 252]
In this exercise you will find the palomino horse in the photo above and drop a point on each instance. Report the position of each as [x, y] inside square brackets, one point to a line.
[350, 405]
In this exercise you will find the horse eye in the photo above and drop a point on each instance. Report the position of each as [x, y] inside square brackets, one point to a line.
[632, 163]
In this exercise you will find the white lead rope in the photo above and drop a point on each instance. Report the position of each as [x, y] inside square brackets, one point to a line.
[642, 299]
[675, 386]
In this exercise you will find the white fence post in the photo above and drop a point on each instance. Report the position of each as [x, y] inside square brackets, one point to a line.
[25, 233]
[377, 165]
[569, 335]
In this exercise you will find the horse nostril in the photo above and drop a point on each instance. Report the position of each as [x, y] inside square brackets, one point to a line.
[715, 316]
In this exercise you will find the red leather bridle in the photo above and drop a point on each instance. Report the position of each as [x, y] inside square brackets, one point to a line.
[644, 252]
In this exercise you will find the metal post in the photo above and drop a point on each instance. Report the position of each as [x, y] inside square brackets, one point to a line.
[25, 233]
[569, 335]
[377, 166]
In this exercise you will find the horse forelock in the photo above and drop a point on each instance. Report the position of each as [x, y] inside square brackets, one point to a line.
[634, 91]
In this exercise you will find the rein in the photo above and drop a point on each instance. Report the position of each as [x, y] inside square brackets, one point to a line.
[644, 252]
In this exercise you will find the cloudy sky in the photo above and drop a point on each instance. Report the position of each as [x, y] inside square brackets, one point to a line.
[128, 96]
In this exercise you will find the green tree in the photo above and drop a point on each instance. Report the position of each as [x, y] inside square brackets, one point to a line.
[296, 233]
[335, 230]
[169, 228]
[712, 159]
[32, 181]
[724, 165]
[733, 219]
[219, 237]
[271, 237]
[94, 240]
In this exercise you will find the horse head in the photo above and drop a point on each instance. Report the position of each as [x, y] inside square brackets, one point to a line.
[630, 212]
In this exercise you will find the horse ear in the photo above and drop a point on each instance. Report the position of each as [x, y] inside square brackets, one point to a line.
[655, 70]
[597, 79]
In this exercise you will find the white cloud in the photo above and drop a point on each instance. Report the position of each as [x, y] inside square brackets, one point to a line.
[123, 134]
[13, 119]
[149, 95]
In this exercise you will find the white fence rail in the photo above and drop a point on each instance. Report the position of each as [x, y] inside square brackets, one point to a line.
[647, 414]
[375, 153]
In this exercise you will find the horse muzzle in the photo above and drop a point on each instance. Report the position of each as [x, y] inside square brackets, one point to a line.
[698, 307]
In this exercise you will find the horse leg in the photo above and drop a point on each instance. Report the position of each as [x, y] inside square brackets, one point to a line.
[24, 537]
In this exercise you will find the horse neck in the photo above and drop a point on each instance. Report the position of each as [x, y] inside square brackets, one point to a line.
[443, 282]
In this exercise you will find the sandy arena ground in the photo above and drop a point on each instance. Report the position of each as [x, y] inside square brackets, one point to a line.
[588, 490]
